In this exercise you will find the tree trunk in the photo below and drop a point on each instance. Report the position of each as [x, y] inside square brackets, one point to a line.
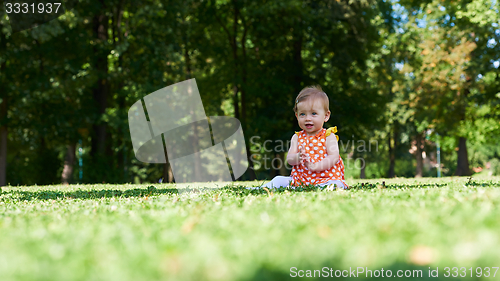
[239, 85]
[168, 176]
[274, 170]
[234, 48]
[69, 162]
[243, 120]
[117, 33]
[392, 158]
[3, 142]
[420, 159]
[101, 152]
[243, 85]
[100, 91]
[3, 117]
[283, 170]
[297, 71]
[197, 169]
[251, 168]
[462, 158]
[198, 175]
[362, 172]
[187, 58]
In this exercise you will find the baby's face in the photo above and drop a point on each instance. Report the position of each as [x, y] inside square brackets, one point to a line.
[311, 115]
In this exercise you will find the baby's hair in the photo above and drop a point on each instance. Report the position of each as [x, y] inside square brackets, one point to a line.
[314, 92]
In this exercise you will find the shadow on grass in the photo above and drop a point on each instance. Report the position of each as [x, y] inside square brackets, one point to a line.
[89, 194]
[22, 195]
[239, 191]
[399, 270]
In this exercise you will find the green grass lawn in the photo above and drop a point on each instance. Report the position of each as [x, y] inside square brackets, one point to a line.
[152, 232]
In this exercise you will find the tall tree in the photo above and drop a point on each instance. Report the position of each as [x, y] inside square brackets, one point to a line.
[3, 106]
[452, 53]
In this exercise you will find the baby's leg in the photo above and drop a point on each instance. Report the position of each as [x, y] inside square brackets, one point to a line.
[277, 182]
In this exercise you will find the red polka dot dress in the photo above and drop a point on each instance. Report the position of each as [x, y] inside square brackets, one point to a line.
[315, 148]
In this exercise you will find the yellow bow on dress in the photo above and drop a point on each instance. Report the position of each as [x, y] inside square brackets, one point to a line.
[332, 130]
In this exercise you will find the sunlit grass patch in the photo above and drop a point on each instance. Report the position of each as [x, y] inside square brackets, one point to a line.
[155, 232]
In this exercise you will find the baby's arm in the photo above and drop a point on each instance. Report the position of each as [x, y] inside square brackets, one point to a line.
[333, 156]
[294, 156]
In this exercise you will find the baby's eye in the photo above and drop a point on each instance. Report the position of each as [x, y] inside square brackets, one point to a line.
[314, 113]
[302, 114]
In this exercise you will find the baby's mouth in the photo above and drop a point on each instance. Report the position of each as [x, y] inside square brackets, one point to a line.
[309, 126]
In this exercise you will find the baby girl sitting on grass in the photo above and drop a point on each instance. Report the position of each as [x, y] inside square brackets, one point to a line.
[314, 151]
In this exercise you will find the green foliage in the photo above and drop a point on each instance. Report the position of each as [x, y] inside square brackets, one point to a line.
[388, 76]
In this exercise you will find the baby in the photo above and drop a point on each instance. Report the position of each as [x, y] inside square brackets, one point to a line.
[314, 151]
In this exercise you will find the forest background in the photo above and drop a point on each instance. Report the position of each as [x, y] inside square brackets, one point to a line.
[403, 77]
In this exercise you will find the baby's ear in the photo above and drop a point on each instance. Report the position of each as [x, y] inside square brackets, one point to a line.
[327, 116]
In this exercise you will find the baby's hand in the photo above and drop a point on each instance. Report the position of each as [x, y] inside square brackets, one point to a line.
[306, 160]
[303, 157]
[311, 166]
